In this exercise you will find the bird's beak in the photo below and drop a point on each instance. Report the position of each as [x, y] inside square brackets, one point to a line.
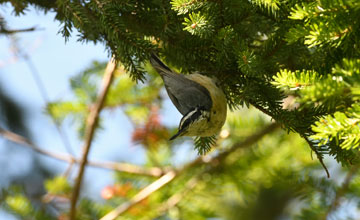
[179, 133]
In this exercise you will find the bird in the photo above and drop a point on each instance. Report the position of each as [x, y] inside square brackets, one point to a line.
[201, 102]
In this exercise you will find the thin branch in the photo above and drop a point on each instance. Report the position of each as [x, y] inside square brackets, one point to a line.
[318, 156]
[143, 194]
[176, 198]
[262, 109]
[91, 123]
[128, 168]
[121, 167]
[248, 141]
[7, 31]
[25, 142]
[68, 170]
[171, 175]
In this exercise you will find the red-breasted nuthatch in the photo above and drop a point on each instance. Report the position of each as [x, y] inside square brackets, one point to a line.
[198, 99]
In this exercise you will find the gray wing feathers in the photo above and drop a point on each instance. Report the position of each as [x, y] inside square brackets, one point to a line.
[185, 94]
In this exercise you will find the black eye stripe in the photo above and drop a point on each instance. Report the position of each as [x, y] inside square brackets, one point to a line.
[191, 117]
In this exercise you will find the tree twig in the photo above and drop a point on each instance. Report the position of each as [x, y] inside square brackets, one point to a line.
[7, 31]
[318, 156]
[249, 141]
[171, 175]
[176, 198]
[91, 123]
[128, 168]
[121, 167]
[144, 193]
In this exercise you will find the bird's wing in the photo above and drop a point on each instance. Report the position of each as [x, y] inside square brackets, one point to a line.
[185, 94]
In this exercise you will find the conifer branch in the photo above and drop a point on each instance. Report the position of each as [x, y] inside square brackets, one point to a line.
[91, 124]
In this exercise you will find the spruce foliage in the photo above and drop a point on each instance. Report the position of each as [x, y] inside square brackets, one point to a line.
[261, 50]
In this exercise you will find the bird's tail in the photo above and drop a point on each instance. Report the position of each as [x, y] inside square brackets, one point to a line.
[159, 65]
